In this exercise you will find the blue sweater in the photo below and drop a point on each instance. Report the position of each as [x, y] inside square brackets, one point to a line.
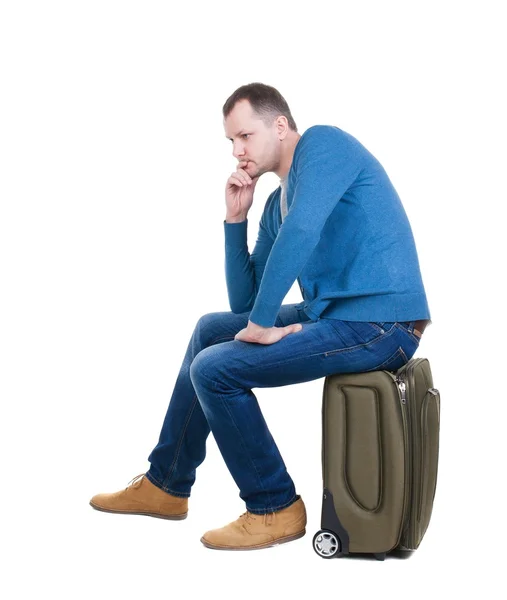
[346, 238]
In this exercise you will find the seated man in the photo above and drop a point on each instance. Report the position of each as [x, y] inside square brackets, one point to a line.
[337, 225]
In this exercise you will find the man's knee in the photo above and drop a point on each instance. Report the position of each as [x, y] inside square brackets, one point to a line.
[204, 367]
[212, 327]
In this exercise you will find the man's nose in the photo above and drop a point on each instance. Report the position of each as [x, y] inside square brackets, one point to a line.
[238, 152]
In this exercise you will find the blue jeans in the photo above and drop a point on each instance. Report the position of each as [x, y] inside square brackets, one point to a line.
[213, 391]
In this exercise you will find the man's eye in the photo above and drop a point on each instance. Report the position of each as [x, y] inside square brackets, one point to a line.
[242, 135]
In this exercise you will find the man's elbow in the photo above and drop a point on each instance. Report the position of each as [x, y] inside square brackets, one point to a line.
[241, 307]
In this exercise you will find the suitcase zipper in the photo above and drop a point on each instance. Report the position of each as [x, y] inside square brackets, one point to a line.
[402, 388]
[414, 481]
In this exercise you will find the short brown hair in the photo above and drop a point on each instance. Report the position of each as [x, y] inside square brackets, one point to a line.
[266, 101]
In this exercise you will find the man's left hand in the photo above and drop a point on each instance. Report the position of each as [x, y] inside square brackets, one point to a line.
[265, 335]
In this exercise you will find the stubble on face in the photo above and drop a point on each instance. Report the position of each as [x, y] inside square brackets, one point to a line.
[252, 169]
[266, 163]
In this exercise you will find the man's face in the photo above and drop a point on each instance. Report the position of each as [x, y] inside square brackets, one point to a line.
[252, 140]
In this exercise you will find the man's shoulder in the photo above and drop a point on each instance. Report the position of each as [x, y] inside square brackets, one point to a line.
[324, 133]
[327, 140]
[322, 129]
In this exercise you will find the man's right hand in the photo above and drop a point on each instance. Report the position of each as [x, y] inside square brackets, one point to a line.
[239, 193]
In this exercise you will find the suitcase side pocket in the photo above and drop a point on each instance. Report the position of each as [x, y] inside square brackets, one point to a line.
[430, 432]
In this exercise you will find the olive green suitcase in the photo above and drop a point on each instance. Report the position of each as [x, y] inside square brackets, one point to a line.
[380, 437]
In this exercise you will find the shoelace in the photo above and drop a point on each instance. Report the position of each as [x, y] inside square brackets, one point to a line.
[248, 517]
[134, 481]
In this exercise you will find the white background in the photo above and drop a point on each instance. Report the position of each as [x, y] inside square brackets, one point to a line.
[113, 169]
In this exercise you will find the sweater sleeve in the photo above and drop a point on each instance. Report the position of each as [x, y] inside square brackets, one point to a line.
[327, 164]
[244, 271]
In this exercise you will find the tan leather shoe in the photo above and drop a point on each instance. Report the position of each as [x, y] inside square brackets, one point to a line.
[142, 498]
[252, 532]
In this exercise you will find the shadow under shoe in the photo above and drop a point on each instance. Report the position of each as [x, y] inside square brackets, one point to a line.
[142, 498]
[252, 532]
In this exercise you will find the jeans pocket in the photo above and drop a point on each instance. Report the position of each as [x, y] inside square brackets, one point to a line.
[393, 363]
[378, 326]
[381, 327]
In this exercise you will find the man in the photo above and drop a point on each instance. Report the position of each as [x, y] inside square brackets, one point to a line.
[336, 224]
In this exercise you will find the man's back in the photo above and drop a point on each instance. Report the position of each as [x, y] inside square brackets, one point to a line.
[345, 236]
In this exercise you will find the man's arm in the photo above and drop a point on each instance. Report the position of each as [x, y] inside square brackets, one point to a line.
[327, 165]
[244, 271]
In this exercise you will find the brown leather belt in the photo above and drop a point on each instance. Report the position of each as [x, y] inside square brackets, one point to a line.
[420, 326]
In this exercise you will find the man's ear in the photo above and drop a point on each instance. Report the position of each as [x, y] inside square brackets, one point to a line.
[282, 127]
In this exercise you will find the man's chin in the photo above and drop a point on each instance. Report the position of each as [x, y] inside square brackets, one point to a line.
[254, 170]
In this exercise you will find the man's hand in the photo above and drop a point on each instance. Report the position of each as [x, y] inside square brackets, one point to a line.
[265, 335]
[239, 192]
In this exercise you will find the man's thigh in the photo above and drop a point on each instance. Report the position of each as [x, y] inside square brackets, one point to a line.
[320, 348]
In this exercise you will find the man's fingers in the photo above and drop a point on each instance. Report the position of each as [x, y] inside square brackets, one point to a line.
[272, 338]
[293, 328]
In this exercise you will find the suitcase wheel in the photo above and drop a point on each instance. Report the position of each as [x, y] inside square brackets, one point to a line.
[326, 543]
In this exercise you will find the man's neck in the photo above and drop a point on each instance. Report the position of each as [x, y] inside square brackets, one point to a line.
[288, 148]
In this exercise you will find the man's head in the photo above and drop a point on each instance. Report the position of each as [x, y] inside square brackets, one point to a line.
[260, 126]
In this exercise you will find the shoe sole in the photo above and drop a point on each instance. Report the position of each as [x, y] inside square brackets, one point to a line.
[288, 538]
[146, 514]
